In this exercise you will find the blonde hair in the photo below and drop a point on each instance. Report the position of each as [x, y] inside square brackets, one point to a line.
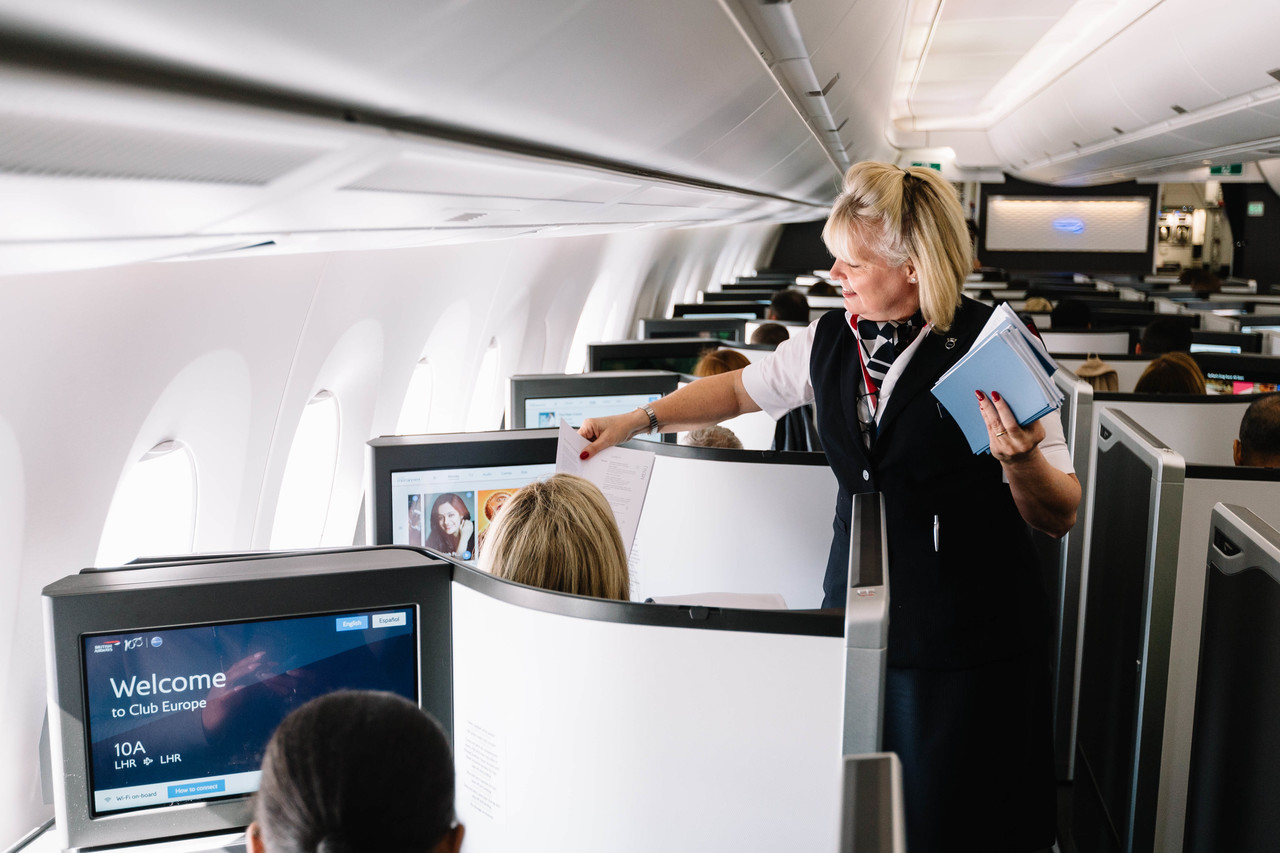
[900, 216]
[559, 534]
[720, 361]
[712, 436]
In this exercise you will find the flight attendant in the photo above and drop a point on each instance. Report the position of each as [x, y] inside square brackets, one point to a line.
[967, 693]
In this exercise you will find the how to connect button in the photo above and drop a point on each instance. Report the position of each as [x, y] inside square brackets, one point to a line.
[197, 789]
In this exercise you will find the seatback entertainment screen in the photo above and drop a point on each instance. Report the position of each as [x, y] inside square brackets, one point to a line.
[183, 714]
[450, 509]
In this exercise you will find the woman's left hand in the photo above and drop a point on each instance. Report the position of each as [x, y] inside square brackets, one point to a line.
[1046, 497]
[1009, 441]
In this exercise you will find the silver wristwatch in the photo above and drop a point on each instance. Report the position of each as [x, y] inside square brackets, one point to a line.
[653, 419]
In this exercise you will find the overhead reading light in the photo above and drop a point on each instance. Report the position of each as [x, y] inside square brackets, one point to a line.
[1117, 130]
[1275, 72]
[1177, 109]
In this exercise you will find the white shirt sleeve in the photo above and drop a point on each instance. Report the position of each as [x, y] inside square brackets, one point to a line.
[1054, 447]
[779, 382]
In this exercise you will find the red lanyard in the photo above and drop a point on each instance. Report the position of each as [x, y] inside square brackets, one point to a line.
[872, 390]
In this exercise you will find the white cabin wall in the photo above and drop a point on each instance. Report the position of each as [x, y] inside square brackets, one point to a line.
[224, 353]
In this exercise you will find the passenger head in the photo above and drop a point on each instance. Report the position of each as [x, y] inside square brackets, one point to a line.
[356, 771]
[448, 513]
[712, 436]
[1259, 441]
[770, 334]
[1201, 280]
[789, 305]
[1038, 305]
[1164, 334]
[822, 287]
[720, 361]
[910, 222]
[1070, 314]
[559, 534]
[1171, 373]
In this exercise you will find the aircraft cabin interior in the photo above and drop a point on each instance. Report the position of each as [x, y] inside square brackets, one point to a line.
[276, 277]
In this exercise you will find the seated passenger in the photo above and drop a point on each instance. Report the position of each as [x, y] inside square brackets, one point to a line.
[1070, 314]
[720, 361]
[356, 770]
[1099, 374]
[1201, 280]
[788, 305]
[1171, 373]
[1259, 441]
[1038, 305]
[1162, 335]
[712, 436]
[559, 534]
[822, 287]
[770, 334]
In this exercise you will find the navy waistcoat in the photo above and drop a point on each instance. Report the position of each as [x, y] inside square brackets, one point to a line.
[978, 597]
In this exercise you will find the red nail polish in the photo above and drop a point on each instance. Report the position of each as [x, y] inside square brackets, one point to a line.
[995, 395]
[980, 397]
[584, 456]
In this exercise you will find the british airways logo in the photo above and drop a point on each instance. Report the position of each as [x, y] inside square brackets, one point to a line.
[1069, 225]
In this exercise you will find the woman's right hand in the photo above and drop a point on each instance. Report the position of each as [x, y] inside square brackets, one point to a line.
[615, 429]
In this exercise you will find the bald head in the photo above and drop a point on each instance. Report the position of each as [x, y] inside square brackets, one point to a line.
[1259, 442]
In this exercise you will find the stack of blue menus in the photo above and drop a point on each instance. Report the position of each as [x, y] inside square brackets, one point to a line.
[1006, 358]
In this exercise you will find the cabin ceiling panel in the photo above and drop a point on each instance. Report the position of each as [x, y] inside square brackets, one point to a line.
[1231, 45]
[1003, 35]
[43, 208]
[1178, 53]
[867, 104]
[1151, 81]
[823, 22]
[867, 37]
[1230, 129]
[797, 167]
[452, 172]
[630, 78]
[652, 84]
[774, 123]
[1267, 111]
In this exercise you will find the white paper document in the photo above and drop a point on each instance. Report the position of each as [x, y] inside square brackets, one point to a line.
[620, 472]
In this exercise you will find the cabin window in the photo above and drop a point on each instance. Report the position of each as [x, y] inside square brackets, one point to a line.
[594, 321]
[486, 397]
[416, 410]
[305, 490]
[154, 508]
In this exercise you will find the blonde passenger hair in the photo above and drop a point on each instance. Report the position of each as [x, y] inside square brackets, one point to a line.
[901, 215]
[559, 534]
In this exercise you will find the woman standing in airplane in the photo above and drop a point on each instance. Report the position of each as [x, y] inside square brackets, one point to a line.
[967, 694]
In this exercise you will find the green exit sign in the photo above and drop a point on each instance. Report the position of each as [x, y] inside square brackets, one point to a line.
[1227, 169]
[937, 167]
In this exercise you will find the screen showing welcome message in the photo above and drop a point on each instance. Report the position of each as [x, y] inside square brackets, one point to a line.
[181, 714]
